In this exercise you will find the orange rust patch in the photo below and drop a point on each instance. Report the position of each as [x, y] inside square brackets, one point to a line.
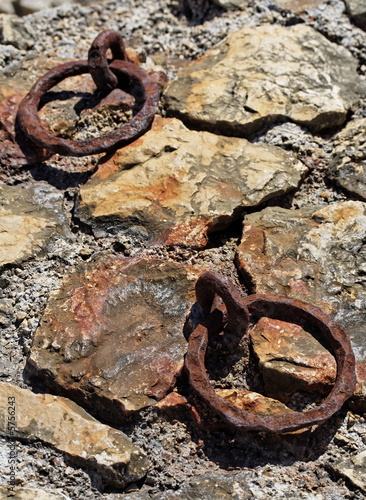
[191, 233]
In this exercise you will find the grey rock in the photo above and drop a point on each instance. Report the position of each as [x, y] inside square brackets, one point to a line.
[232, 4]
[357, 11]
[20, 493]
[65, 426]
[112, 336]
[298, 6]
[354, 469]
[348, 167]
[258, 75]
[7, 7]
[13, 31]
[215, 486]
[29, 217]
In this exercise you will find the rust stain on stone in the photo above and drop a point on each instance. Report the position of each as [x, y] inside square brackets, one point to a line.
[112, 335]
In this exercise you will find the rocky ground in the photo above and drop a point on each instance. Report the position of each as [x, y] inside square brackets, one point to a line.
[253, 167]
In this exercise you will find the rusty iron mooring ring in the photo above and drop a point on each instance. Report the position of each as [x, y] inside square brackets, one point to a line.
[31, 124]
[286, 309]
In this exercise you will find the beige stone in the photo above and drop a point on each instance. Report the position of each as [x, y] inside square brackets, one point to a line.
[298, 6]
[291, 359]
[181, 184]
[19, 493]
[348, 167]
[62, 424]
[253, 402]
[29, 217]
[353, 468]
[258, 75]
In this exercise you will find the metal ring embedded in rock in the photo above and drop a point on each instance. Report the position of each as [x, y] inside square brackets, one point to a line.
[31, 124]
[286, 309]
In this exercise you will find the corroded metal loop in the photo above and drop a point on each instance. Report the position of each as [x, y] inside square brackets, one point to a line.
[294, 311]
[104, 78]
[148, 100]
[210, 284]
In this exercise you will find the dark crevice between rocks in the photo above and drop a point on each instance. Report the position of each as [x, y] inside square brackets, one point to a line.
[255, 130]
[59, 178]
[218, 238]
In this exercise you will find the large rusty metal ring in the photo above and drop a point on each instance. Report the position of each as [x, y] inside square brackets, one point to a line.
[123, 70]
[290, 310]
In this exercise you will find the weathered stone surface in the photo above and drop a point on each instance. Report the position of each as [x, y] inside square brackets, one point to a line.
[18, 493]
[216, 486]
[64, 425]
[316, 254]
[298, 6]
[348, 168]
[25, 7]
[7, 7]
[253, 402]
[258, 75]
[179, 185]
[357, 10]
[112, 336]
[291, 359]
[354, 469]
[29, 217]
[358, 403]
[14, 32]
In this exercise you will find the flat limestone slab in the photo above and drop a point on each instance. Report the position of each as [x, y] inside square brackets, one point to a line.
[19, 493]
[348, 167]
[62, 424]
[258, 75]
[112, 337]
[29, 217]
[178, 185]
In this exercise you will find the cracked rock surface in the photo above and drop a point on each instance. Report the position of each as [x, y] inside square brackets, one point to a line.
[65, 426]
[178, 185]
[258, 75]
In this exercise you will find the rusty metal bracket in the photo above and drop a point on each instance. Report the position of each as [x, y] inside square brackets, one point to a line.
[106, 76]
[253, 307]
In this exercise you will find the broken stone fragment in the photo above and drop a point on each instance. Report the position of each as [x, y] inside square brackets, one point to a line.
[59, 422]
[179, 184]
[352, 468]
[112, 336]
[258, 75]
[357, 10]
[348, 167]
[29, 217]
[315, 254]
[13, 31]
[298, 6]
[253, 402]
[215, 485]
[7, 7]
[20, 493]
[291, 359]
